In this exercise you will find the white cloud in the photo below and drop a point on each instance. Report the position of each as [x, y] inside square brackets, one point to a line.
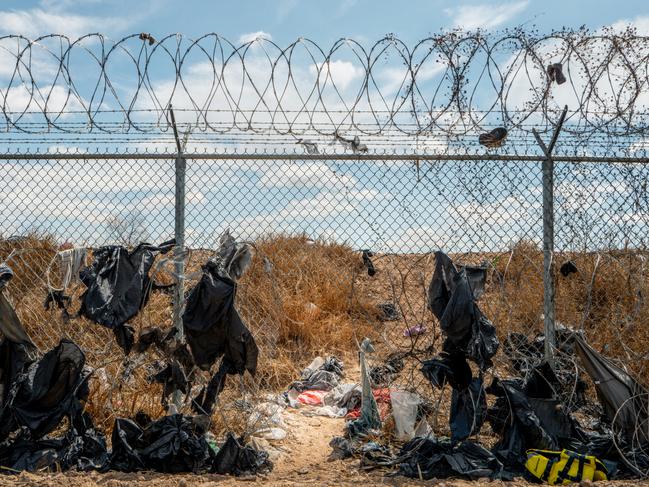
[35, 22]
[254, 36]
[285, 7]
[313, 174]
[640, 23]
[345, 6]
[485, 16]
[341, 73]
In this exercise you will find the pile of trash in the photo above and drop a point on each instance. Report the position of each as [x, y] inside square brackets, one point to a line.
[532, 414]
[41, 393]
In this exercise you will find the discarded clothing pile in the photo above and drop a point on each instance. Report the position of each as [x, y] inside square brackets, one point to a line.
[322, 374]
[118, 286]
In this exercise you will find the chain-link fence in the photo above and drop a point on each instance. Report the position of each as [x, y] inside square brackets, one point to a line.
[416, 181]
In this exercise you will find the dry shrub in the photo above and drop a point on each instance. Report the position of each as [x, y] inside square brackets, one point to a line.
[301, 299]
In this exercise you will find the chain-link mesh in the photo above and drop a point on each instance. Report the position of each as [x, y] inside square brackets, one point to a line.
[416, 181]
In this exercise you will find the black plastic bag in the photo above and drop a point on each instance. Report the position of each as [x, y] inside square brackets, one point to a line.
[513, 419]
[452, 301]
[453, 369]
[429, 458]
[118, 283]
[172, 377]
[204, 401]
[17, 350]
[171, 444]
[86, 451]
[48, 390]
[233, 458]
[623, 398]
[213, 327]
[367, 262]
[468, 410]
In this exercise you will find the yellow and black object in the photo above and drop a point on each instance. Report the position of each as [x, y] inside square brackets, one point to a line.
[564, 467]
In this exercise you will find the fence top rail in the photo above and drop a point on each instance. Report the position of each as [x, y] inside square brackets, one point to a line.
[317, 157]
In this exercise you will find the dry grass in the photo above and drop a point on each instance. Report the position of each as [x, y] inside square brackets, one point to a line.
[317, 299]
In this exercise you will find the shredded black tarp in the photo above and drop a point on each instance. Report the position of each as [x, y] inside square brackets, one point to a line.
[213, 327]
[429, 458]
[118, 286]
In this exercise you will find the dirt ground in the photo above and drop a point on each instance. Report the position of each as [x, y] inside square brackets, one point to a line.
[303, 460]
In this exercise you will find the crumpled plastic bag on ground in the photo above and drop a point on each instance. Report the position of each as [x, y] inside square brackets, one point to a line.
[170, 444]
[429, 458]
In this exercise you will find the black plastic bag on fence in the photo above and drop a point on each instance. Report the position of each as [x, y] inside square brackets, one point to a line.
[234, 458]
[514, 420]
[17, 350]
[6, 274]
[623, 398]
[468, 410]
[212, 324]
[204, 401]
[452, 301]
[118, 283]
[51, 388]
[477, 277]
[172, 377]
[367, 262]
[453, 369]
[429, 458]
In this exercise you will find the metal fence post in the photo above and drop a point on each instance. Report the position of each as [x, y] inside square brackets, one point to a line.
[548, 253]
[547, 169]
[179, 250]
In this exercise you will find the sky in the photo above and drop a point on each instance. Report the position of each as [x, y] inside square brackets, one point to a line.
[321, 21]
[384, 205]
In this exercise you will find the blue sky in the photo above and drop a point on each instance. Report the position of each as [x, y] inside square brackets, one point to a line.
[322, 21]
[386, 205]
